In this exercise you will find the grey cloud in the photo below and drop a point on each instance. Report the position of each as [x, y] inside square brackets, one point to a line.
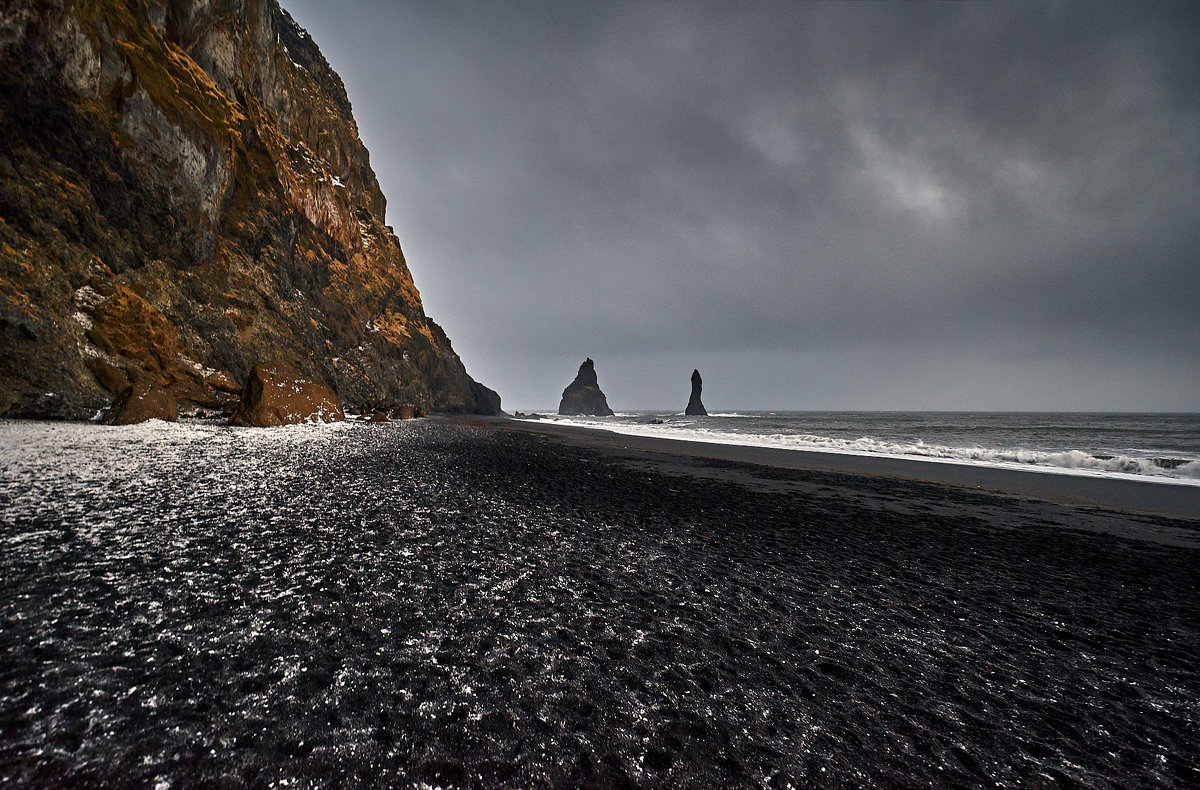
[981, 192]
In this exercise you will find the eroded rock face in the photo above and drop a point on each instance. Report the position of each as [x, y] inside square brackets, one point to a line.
[279, 394]
[183, 193]
[583, 396]
[695, 407]
[140, 402]
[486, 401]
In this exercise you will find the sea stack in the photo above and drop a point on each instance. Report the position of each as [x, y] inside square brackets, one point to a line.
[583, 395]
[695, 407]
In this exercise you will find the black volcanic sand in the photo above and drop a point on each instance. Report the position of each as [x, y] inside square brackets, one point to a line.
[455, 604]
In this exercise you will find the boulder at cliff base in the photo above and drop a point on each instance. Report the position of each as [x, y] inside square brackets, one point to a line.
[140, 402]
[406, 411]
[278, 394]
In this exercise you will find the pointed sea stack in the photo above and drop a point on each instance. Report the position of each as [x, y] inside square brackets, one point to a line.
[695, 407]
[583, 396]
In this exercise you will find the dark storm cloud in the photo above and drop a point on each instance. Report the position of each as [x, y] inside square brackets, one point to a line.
[988, 205]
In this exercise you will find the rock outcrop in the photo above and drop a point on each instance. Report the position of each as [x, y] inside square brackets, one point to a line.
[140, 402]
[183, 193]
[406, 411]
[695, 407]
[279, 394]
[583, 395]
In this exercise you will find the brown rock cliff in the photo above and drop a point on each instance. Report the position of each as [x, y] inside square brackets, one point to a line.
[183, 194]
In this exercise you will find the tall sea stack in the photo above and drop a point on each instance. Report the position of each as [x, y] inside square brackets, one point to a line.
[583, 395]
[183, 195]
[695, 407]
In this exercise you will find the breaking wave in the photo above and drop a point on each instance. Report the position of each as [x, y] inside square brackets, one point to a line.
[1165, 469]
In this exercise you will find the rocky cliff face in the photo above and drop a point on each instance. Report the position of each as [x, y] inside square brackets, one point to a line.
[183, 194]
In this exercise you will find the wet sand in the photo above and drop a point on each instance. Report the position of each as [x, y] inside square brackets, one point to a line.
[461, 603]
[1162, 498]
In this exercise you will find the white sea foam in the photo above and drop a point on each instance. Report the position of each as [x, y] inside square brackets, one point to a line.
[1065, 461]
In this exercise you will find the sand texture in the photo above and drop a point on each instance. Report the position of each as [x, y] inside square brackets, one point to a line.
[457, 604]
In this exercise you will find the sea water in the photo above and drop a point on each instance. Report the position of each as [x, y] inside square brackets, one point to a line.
[1162, 447]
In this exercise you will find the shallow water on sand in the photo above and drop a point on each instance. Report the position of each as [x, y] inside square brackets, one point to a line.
[1164, 448]
[428, 604]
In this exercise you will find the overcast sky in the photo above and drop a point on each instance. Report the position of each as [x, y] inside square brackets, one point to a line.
[826, 205]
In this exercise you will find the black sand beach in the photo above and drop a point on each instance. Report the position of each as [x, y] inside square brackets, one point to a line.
[472, 603]
[1113, 493]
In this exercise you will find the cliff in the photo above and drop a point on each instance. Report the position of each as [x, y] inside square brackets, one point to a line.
[183, 194]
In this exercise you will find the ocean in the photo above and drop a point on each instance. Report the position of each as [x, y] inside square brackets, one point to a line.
[1161, 447]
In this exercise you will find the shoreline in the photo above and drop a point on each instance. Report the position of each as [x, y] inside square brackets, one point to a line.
[474, 602]
[1168, 499]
